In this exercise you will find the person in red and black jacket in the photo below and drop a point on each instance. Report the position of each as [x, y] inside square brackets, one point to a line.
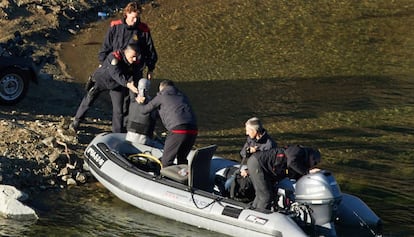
[130, 30]
[115, 74]
[267, 168]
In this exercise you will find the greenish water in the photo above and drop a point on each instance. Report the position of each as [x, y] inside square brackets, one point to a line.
[93, 211]
[337, 75]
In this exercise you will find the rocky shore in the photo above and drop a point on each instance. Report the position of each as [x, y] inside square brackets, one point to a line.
[37, 151]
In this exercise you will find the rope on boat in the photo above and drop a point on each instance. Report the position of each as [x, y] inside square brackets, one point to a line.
[217, 199]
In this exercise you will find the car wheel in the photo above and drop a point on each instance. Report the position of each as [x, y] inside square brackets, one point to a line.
[14, 84]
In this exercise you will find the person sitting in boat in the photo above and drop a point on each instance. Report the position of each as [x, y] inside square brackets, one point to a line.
[267, 168]
[257, 138]
[235, 182]
[177, 117]
[140, 127]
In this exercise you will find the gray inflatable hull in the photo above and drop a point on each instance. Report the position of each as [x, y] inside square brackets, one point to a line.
[170, 199]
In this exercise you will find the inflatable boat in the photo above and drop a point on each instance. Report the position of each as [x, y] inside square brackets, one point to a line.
[188, 193]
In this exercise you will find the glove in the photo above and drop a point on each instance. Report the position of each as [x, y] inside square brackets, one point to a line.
[89, 84]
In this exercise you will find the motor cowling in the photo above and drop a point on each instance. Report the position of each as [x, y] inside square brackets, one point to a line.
[320, 193]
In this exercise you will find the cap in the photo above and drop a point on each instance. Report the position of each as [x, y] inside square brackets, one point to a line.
[143, 86]
[244, 167]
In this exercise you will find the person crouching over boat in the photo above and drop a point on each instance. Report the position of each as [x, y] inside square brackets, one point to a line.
[115, 74]
[267, 168]
[177, 117]
[140, 127]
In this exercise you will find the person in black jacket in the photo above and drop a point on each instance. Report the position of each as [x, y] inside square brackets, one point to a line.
[267, 168]
[257, 138]
[114, 75]
[301, 160]
[140, 128]
[130, 30]
[178, 118]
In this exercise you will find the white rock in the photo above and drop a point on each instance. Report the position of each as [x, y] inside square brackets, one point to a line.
[11, 207]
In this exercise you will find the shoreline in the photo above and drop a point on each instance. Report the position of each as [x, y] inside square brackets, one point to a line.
[38, 152]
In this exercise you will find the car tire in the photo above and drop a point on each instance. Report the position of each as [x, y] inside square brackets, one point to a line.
[14, 83]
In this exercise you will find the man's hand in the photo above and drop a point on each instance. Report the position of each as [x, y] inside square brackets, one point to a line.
[314, 170]
[131, 86]
[244, 173]
[140, 99]
[252, 149]
[150, 75]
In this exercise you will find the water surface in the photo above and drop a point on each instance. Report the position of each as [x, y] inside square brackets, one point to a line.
[337, 75]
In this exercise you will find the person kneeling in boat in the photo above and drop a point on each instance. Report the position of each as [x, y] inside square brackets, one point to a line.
[177, 117]
[140, 127]
[301, 160]
[238, 184]
[267, 168]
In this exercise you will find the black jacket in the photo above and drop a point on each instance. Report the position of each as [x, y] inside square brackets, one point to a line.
[273, 162]
[291, 161]
[298, 160]
[174, 109]
[116, 71]
[264, 143]
[119, 35]
[139, 122]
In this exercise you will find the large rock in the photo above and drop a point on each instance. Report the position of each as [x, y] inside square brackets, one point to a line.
[11, 205]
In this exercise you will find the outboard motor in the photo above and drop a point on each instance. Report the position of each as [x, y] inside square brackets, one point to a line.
[317, 199]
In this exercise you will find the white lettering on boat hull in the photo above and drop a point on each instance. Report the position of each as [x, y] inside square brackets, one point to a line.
[95, 156]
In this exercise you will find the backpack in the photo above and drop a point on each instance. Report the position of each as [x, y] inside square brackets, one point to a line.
[241, 188]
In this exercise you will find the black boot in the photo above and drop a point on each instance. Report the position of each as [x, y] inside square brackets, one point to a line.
[74, 125]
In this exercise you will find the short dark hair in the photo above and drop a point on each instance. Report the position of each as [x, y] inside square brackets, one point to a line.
[133, 46]
[167, 83]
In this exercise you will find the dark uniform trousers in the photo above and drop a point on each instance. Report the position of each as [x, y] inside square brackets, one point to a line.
[266, 168]
[262, 185]
[117, 98]
[180, 144]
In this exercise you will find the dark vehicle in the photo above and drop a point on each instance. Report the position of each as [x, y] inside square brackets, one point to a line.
[17, 70]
